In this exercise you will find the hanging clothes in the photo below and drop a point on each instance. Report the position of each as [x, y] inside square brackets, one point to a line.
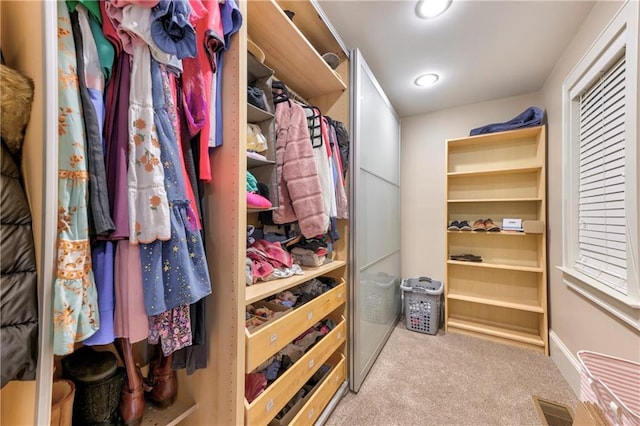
[18, 280]
[342, 206]
[115, 131]
[75, 310]
[175, 271]
[299, 189]
[91, 86]
[130, 315]
[149, 217]
[210, 40]
[321, 157]
[100, 223]
[130, 318]
[231, 22]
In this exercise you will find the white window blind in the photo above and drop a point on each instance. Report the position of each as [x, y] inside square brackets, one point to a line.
[602, 239]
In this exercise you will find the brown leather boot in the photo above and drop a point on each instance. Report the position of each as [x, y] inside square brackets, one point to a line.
[162, 380]
[62, 395]
[131, 407]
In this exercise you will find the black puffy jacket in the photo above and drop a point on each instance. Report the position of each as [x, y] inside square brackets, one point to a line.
[18, 283]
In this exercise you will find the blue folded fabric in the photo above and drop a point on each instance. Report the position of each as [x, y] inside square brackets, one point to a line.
[531, 117]
[171, 29]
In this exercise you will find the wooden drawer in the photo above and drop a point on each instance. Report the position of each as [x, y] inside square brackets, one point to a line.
[270, 338]
[321, 397]
[270, 402]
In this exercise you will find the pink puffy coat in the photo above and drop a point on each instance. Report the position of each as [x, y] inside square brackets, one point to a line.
[299, 190]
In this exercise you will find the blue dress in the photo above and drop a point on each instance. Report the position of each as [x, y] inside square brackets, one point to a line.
[174, 272]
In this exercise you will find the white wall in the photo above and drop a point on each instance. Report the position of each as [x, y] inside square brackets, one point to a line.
[575, 322]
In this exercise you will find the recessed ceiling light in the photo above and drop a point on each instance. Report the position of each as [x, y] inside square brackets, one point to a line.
[426, 9]
[426, 79]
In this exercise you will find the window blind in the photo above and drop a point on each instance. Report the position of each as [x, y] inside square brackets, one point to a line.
[602, 239]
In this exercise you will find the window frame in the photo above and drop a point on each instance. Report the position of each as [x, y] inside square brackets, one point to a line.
[621, 34]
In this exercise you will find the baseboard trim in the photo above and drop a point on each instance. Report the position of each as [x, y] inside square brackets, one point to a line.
[566, 361]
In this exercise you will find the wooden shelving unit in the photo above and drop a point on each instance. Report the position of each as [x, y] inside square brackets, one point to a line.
[504, 297]
[215, 394]
[295, 60]
[264, 289]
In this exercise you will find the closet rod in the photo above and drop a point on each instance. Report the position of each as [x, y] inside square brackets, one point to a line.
[292, 94]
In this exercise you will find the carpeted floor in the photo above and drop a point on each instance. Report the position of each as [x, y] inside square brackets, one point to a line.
[452, 379]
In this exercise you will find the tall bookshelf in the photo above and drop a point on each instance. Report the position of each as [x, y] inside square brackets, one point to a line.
[504, 297]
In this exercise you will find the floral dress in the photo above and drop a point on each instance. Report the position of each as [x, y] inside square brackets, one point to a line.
[75, 310]
[148, 206]
[174, 272]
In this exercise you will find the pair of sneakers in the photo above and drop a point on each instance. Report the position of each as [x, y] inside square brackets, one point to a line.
[459, 226]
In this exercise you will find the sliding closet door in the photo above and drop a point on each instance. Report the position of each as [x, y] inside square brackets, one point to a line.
[375, 220]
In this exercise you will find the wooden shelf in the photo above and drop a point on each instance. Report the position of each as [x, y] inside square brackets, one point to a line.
[511, 304]
[254, 162]
[170, 416]
[495, 172]
[265, 407]
[257, 115]
[496, 266]
[304, 71]
[501, 233]
[312, 26]
[495, 200]
[263, 289]
[504, 297]
[313, 408]
[268, 339]
[250, 210]
[495, 138]
[529, 337]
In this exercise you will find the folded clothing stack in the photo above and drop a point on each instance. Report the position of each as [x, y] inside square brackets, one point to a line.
[309, 252]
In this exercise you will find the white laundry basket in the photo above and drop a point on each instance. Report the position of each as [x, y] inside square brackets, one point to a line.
[613, 384]
[422, 300]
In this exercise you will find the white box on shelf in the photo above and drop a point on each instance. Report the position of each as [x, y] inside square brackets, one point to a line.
[511, 224]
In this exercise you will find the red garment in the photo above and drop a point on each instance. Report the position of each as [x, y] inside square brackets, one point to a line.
[267, 257]
[109, 31]
[185, 176]
[254, 385]
[198, 73]
[325, 135]
[194, 100]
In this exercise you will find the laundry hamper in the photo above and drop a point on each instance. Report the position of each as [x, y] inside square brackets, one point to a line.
[422, 301]
[379, 297]
[613, 384]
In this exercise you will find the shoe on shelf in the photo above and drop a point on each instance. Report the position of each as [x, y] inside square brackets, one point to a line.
[478, 225]
[464, 226]
[465, 257]
[454, 226]
[490, 226]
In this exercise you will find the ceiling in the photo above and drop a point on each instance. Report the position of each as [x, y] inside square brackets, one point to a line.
[483, 50]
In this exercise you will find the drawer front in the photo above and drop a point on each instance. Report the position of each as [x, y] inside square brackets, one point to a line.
[321, 397]
[270, 338]
[275, 397]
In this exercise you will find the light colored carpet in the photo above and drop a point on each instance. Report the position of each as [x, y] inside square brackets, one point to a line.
[452, 379]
